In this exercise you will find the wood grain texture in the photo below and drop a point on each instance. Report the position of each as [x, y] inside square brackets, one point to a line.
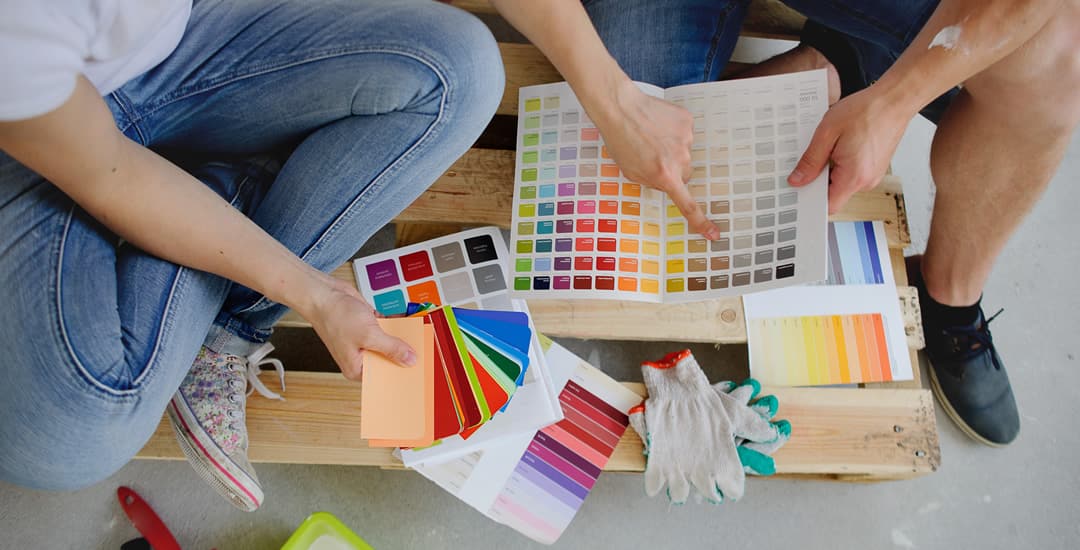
[478, 190]
[524, 66]
[837, 433]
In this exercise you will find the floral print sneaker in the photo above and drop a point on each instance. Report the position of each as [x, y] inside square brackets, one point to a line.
[208, 416]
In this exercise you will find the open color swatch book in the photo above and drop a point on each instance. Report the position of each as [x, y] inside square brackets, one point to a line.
[465, 269]
[536, 482]
[582, 230]
[846, 330]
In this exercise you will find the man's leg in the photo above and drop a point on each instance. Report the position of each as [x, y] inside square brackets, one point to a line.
[996, 149]
[998, 143]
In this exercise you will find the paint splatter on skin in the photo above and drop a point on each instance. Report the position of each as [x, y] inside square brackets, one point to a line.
[946, 38]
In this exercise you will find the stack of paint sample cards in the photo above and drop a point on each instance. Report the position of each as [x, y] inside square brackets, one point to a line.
[536, 482]
[846, 330]
[467, 270]
[472, 362]
[582, 229]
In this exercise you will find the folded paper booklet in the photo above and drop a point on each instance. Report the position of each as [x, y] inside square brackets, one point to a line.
[491, 345]
[536, 482]
[846, 330]
[581, 229]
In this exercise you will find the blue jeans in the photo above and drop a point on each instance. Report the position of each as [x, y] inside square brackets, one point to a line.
[319, 120]
[688, 41]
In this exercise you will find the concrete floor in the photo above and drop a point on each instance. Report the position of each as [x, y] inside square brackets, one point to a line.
[1023, 496]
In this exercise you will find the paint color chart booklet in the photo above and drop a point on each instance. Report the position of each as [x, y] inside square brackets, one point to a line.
[846, 330]
[582, 230]
[465, 269]
[536, 482]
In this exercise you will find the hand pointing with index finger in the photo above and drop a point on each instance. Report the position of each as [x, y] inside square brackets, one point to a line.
[650, 140]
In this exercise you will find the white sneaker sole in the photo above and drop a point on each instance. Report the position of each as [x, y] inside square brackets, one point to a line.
[210, 462]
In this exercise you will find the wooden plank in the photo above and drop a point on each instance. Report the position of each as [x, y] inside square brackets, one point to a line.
[716, 321]
[837, 433]
[524, 66]
[478, 190]
[412, 233]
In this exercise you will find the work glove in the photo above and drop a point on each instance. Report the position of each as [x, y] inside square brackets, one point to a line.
[690, 429]
[756, 457]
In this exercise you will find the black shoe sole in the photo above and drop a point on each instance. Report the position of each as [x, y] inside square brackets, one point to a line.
[949, 410]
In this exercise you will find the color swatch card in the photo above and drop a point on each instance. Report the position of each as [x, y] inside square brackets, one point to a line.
[535, 483]
[582, 230]
[846, 330]
[472, 364]
[399, 401]
[465, 269]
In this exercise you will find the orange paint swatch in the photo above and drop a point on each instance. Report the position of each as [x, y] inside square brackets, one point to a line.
[398, 402]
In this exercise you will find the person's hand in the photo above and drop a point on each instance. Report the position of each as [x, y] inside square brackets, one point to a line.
[347, 325]
[859, 135]
[650, 140]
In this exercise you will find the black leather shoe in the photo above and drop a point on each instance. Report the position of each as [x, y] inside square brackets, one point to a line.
[970, 381]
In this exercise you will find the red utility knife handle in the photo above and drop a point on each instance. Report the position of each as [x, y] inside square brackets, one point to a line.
[146, 521]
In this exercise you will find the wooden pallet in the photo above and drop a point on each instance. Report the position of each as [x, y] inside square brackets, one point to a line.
[883, 432]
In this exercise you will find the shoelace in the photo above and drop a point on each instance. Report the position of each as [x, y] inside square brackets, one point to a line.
[255, 362]
[969, 341]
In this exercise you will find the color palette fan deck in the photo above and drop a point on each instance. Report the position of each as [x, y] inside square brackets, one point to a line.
[473, 362]
[582, 230]
[491, 347]
[536, 483]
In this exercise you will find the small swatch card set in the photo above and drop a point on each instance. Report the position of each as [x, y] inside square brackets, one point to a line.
[846, 330]
[536, 482]
[581, 229]
[472, 361]
[465, 270]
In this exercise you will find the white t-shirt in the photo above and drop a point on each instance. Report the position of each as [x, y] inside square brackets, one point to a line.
[46, 44]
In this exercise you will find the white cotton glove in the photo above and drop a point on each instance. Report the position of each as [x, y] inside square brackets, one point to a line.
[690, 429]
[756, 456]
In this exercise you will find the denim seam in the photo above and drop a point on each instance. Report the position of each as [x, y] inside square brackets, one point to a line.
[125, 105]
[714, 46]
[105, 391]
[378, 179]
[178, 284]
[266, 68]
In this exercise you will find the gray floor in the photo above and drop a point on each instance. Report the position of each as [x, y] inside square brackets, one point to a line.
[1019, 497]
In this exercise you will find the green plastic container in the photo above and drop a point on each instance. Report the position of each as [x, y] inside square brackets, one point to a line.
[323, 531]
